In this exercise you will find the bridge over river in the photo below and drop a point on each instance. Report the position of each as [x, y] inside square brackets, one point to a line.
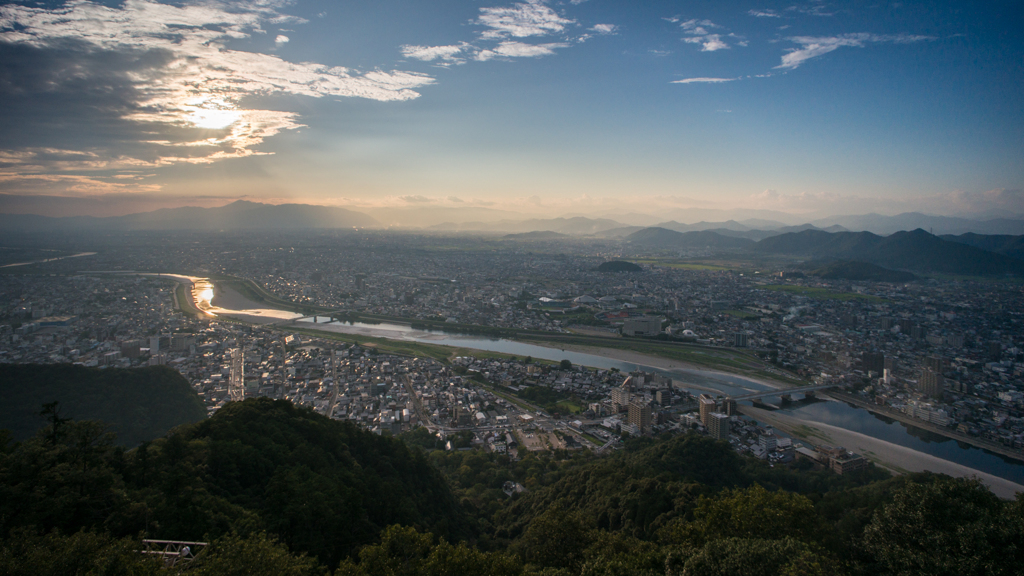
[786, 394]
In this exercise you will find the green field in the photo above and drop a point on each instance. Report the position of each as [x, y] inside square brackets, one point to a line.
[822, 293]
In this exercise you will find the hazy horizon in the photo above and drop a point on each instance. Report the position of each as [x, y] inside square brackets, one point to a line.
[533, 108]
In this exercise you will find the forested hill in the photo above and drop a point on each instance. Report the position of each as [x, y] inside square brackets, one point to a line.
[139, 404]
[322, 486]
[278, 489]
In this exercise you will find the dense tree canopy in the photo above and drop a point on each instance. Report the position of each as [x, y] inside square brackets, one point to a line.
[277, 489]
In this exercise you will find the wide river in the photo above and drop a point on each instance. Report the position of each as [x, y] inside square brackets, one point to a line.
[829, 412]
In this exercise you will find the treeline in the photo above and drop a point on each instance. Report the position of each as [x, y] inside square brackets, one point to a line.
[278, 489]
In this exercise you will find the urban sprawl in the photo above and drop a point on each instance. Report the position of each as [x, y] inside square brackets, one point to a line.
[943, 354]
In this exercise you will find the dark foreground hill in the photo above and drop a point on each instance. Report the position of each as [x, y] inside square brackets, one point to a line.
[266, 482]
[139, 404]
[916, 250]
[324, 487]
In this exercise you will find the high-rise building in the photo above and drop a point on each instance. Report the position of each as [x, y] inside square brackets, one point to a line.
[729, 407]
[935, 364]
[640, 414]
[718, 426]
[740, 340]
[931, 383]
[707, 408]
[620, 398]
[873, 362]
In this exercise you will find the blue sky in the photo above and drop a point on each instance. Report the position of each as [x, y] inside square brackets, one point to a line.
[536, 107]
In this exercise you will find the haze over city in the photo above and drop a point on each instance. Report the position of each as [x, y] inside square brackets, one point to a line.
[487, 110]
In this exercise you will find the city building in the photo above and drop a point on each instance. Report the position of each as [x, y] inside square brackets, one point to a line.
[718, 426]
[640, 414]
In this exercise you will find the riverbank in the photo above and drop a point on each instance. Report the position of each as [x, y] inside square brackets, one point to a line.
[940, 430]
[661, 363]
[893, 457]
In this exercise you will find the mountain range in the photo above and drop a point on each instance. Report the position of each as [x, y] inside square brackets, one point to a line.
[915, 250]
[239, 215]
[17, 215]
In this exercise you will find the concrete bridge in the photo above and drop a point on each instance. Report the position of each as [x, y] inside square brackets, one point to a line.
[787, 394]
[329, 314]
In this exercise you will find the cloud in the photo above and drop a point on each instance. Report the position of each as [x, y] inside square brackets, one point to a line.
[1000, 202]
[604, 28]
[531, 18]
[456, 199]
[417, 199]
[812, 10]
[702, 80]
[812, 47]
[764, 14]
[698, 33]
[174, 76]
[429, 53]
[709, 43]
[511, 49]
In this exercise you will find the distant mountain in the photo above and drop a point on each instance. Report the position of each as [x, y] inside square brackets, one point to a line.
[916, 250]
[577, 226]
[701, 226]
[617, 232]
[663, 238]
[239, 215]
[880, 224]
[1012, 246]
[545, 235]
[863, 271]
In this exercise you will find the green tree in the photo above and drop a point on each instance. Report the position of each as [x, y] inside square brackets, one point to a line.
[556, 539]
[757, 557]
[953, 526]
[25, 553]
[257, 554]
[565, 365]
[749, 513]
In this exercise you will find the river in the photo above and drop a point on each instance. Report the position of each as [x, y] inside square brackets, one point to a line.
[828, 411]
[48, 259]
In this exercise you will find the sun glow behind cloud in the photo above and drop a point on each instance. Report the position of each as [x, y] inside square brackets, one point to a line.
[201, 82]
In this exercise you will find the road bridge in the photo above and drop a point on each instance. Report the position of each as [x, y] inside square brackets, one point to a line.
[329, 314]
[808, 390]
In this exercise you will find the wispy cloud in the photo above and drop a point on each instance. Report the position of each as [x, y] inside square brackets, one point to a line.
[703, 80]
[764, 14]
[604, 28]
[699, 32]
[525, 19]
[512, 49]
[811, 9]
[812, 47]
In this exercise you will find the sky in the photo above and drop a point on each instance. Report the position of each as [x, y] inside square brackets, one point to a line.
[574, 107]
